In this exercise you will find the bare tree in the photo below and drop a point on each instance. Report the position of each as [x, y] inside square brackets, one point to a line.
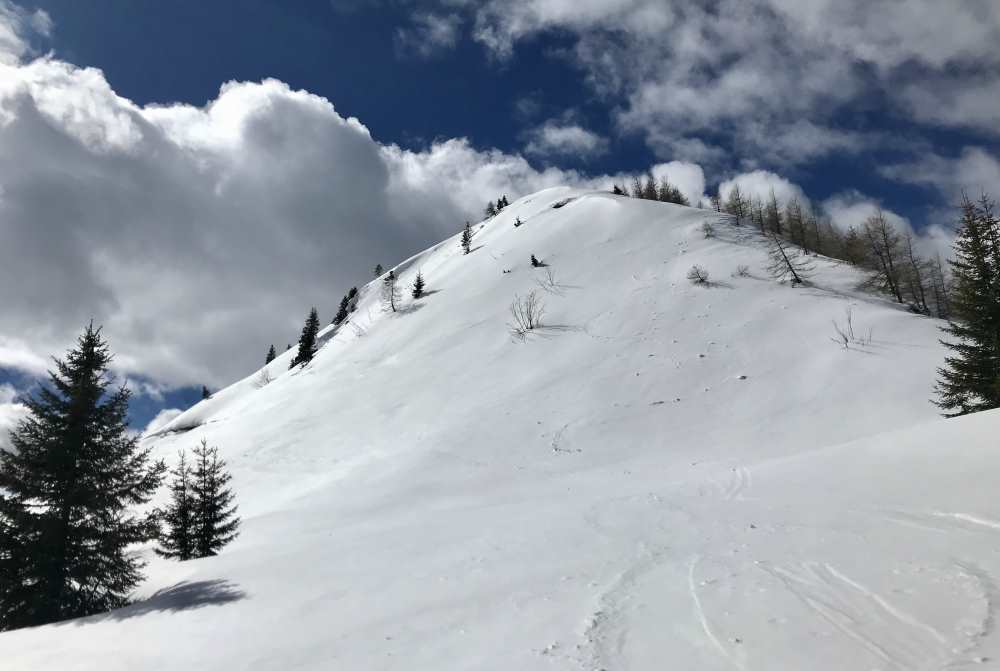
[390, 292]
[915, 276]
[757, 213]
[772, 214]
[737, 205]
[786, 262]
[526, 314]
[795, 223]
[885, 253]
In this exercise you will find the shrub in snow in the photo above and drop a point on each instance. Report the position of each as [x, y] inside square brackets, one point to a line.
[526, 314]
[708, 230]
[698, 275]
[742, 271]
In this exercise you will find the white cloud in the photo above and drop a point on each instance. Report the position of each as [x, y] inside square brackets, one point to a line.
[851, 209]
[766, 80]
[556, 138]
[16, 26]
[162, 418]
[974, 170]
[430, 33]
[10, 414]
[688, 177]
[760, 183]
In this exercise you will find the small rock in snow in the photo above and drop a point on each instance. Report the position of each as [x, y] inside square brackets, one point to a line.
[741, 377]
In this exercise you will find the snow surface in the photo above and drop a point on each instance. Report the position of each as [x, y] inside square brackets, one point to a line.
[664, 476]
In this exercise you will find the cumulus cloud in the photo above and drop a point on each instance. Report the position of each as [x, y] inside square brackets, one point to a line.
[162, 418]
[765, 80]
[852, 208]
[688, 177]
[566, 139]
[17, 26]
[760, 184]
[10, 414]
[197, 236]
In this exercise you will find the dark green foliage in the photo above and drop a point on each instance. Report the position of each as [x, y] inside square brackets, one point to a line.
[617, 190]
[491, 210]
[418, 285]
[179, 540]
[216, 523]
[307, 341]
[466, 240]
[969, 381]
[205, 393]
[270, 355]
[67, 495]
[347, 304]
[378, 270]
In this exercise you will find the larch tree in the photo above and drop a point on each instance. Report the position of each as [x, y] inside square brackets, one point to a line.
[884, 254]
[69, 490]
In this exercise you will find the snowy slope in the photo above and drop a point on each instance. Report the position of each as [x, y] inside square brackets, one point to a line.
[666, 476]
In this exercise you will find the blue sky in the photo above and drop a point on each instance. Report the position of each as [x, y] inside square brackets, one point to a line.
[199, 220]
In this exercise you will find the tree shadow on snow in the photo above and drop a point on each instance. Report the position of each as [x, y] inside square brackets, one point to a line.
[182, 596]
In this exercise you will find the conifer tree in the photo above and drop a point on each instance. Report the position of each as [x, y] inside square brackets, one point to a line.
[216, 523]
[178, 541]
[418, 285]
[378, 270]
[737, 205]
[270, 355]
[205, 393]
[772, 215]
[307, 341]
[535, 263]
[969, 381]
[617, 190]
[68, 491]
[491, 210]
[342, 310]
[466, 240]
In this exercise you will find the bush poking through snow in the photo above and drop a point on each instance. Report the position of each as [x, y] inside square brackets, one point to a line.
[742, 270]
[708, 230]
[263, 379]
[526, 314]
[845, 333]
[698, 275]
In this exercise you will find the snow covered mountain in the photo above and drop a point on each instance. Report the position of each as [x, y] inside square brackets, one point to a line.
[664, 475]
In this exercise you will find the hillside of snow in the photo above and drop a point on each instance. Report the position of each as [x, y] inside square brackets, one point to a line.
[665, 475]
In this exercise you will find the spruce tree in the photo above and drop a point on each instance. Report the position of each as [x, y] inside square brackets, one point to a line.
[270, 355]
[178, 541]
[307, 341]
[535, 263]
[378, 270]
[342, 310]
[969, 381]
[68, 490]
[216, 523]
[466, 240]
[205, 393]
[491, 210]
[418, 285]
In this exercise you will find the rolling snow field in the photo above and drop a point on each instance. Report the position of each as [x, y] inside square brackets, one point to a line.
[663, 476]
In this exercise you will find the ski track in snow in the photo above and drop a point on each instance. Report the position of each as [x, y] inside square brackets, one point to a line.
[891, 634]
[703, 618]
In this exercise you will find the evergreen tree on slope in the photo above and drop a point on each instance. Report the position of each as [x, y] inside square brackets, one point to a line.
[969, 381]
[307, 341]
[178, 542]
[216, 523]
[67, 491]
